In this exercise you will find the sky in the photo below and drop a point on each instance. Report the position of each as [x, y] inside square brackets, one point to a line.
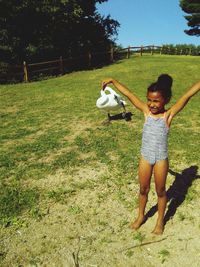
[148, 22]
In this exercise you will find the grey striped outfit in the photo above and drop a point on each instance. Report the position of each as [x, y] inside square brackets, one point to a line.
[154, 139]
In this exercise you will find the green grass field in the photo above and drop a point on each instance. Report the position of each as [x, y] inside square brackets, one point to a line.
[56, 151]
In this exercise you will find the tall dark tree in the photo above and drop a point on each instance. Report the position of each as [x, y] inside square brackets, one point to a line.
[192, 7]
[38, 30]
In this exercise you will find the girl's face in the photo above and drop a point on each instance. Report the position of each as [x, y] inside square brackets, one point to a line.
[156, 102]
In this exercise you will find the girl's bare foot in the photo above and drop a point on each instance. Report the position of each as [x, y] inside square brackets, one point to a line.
[159, 228]
[137, 223]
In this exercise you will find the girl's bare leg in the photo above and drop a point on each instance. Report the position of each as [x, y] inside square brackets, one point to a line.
[145, 172]
[160, 175]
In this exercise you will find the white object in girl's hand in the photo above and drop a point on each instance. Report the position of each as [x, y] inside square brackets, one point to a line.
[110, 101]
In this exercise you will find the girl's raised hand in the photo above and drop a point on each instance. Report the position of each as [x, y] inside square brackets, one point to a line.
[105, 82]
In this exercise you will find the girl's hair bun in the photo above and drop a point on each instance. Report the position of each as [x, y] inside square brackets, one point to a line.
[164, 81]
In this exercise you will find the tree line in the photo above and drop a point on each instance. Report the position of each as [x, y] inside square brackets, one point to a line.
[41, 30]
[36, 31]
[182, 49]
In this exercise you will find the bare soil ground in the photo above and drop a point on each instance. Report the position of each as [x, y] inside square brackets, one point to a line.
[90, 225]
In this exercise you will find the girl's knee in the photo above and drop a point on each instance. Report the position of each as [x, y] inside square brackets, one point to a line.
[144, 190]
[161, 192]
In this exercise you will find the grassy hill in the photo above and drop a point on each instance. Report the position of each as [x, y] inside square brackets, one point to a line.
[69, 186]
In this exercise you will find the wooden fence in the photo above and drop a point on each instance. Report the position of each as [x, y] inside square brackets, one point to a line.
[31, 71]
[34, 71]
[154, 49]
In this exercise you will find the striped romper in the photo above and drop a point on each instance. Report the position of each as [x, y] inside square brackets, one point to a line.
[154, 139]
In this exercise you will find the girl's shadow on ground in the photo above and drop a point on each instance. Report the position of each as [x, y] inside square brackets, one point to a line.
[177, 191]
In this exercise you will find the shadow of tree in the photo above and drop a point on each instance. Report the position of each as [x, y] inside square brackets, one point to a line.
[177, 192]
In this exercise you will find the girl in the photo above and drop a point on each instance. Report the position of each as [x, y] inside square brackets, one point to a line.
[154, 155]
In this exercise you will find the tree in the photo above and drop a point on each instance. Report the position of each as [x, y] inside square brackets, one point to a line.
[37, 30]
[192, 7]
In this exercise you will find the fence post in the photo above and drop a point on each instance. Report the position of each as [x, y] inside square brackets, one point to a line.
[128, 52]
[161, 49]
[61, 65]
[152, 49]
[141, 49]
[89, 59]
[25, 71]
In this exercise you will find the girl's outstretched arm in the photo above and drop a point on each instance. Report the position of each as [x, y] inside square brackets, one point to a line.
[125, 91]
[180, 104]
